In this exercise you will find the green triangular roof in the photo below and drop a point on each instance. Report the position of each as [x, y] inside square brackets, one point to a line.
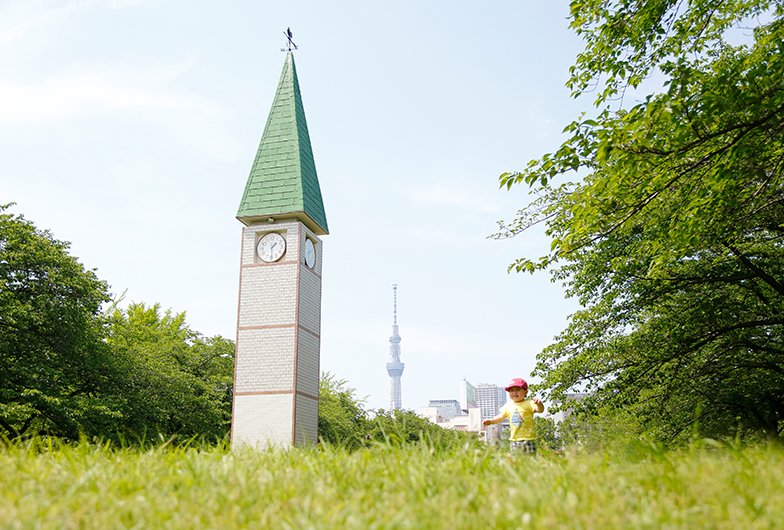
[283, 180]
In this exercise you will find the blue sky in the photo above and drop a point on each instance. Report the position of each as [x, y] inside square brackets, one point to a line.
[129, 127]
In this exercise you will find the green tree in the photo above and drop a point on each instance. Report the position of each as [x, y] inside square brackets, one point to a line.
[342, 420]
[55, 367]
[593, 429]
[547, 433]
[406, 426]
[70, 369]
[672, 239]
[175, 382]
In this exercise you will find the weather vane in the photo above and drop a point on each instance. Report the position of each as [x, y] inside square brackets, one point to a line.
[290, 45]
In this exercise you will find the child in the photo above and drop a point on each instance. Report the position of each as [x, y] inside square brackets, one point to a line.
[520, 412]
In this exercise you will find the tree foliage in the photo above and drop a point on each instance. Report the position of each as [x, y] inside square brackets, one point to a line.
[547, 435]
[175, 382]
[343, 421]
[406, 426]
[672, 239]
[54, 365]
[69, 367]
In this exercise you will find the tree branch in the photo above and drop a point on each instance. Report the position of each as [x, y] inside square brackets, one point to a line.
[767, 278]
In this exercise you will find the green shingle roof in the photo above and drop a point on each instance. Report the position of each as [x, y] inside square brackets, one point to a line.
[283, 180]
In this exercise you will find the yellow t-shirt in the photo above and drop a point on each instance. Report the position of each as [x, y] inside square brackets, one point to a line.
[521, 420]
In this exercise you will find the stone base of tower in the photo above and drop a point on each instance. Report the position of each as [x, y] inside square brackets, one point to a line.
[274, 420]
[262, 421]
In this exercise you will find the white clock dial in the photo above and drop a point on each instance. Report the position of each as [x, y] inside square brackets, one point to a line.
[271, 247]
[310, 253]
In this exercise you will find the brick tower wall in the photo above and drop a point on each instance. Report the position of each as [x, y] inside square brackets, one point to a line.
[278, 342]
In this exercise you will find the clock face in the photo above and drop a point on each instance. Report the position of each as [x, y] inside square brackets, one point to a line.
[310, 253]
[271, 247]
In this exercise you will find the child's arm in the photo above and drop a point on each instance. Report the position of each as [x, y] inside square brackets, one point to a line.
[493, 421]
[538, 405]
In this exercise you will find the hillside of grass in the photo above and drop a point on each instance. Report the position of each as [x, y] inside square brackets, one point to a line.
[92, 486]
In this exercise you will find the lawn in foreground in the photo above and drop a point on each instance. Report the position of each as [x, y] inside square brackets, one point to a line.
[89, 486]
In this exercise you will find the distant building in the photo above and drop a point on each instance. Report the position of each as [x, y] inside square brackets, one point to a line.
[431, 413]
[467, 395]
[471, 422]
[447, 408]
[468, 413]
[490, 398]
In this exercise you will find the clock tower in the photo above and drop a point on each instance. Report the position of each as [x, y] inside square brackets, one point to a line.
[276, 370]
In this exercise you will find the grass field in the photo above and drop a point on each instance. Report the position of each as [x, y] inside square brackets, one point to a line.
[89, 486]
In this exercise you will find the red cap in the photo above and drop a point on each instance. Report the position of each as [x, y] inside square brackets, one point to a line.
[517, 381]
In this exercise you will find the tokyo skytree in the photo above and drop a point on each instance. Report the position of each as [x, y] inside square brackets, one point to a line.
[394, 367]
